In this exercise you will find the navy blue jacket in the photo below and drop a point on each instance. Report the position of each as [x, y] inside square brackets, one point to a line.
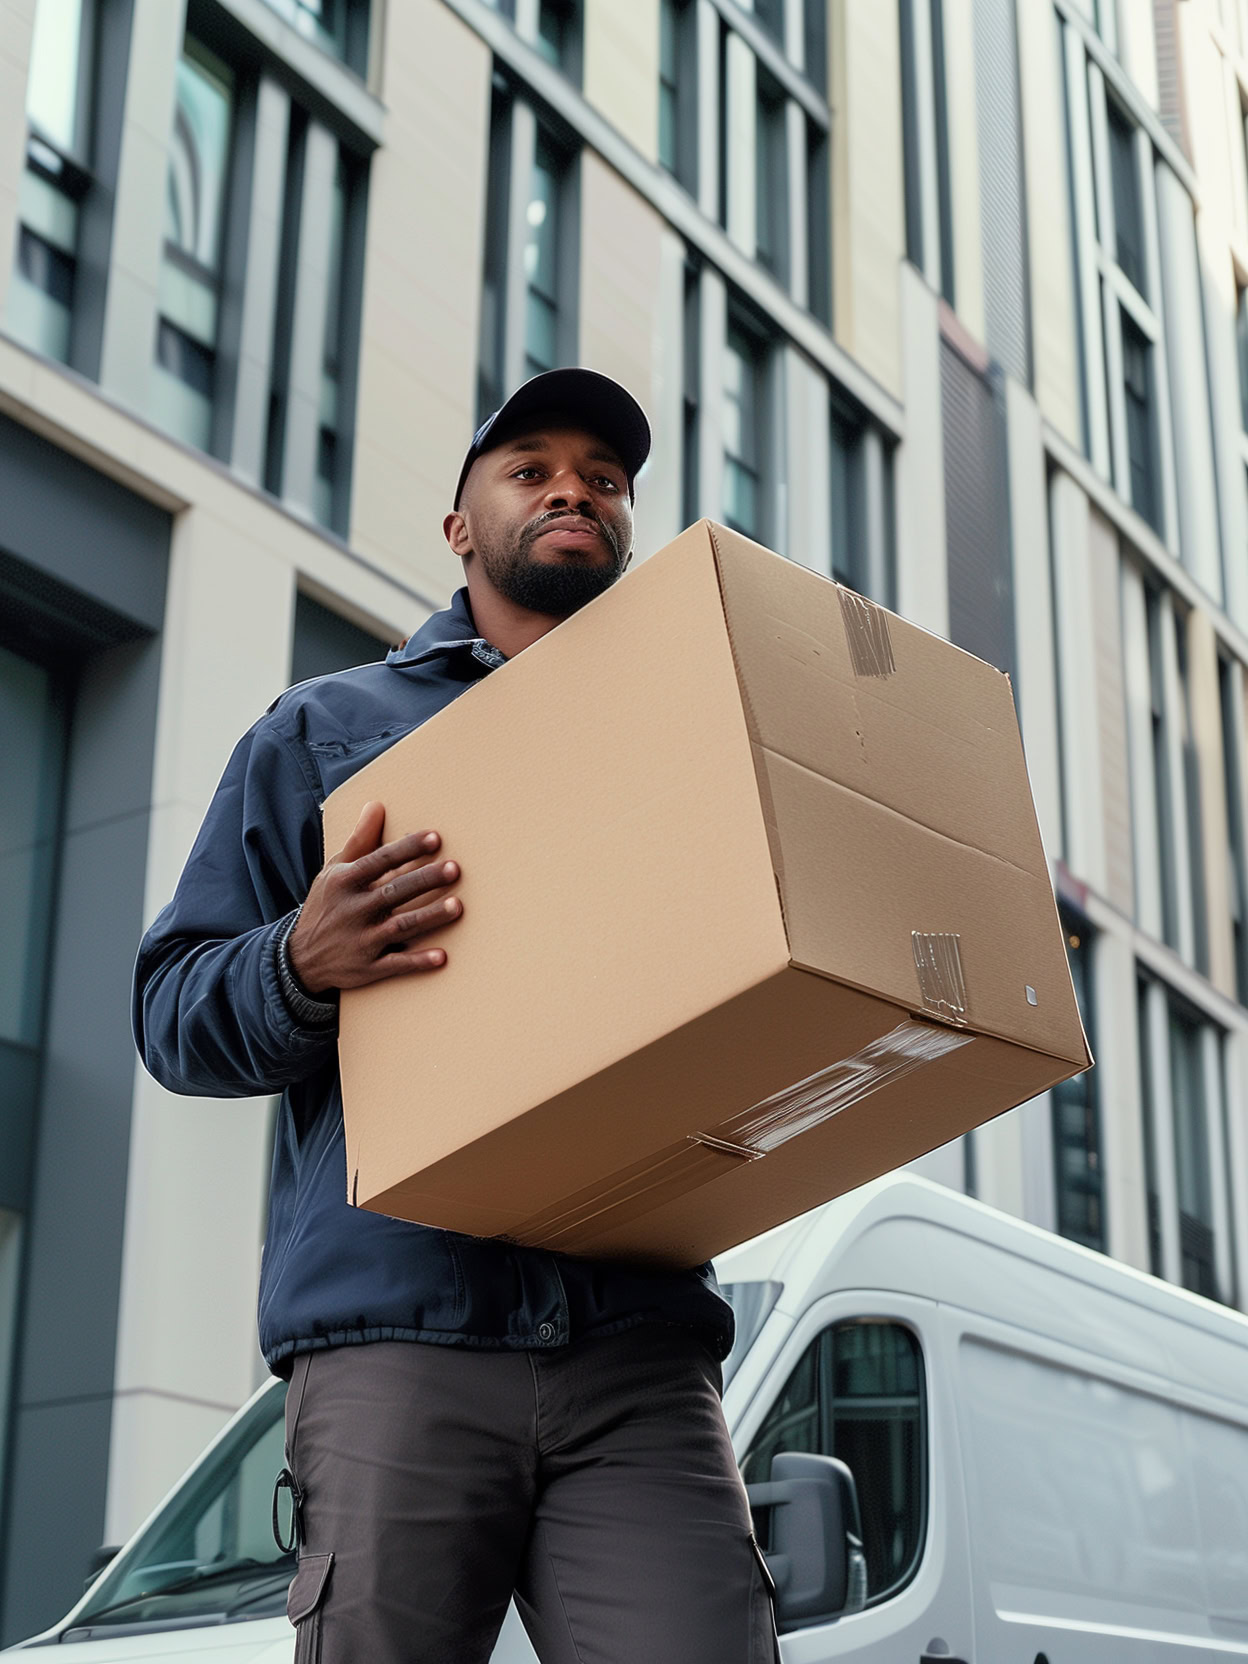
[210, 1020]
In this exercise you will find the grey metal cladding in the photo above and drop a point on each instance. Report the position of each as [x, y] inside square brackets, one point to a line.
[977, 521]
[1002, 206]
[82, 531]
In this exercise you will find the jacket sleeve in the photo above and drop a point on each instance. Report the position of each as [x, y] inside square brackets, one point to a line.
[208, 1013]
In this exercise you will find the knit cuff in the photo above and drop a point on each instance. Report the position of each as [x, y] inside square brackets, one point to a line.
[309, 1010]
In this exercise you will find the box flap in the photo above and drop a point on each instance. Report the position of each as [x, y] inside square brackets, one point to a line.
[877, 704]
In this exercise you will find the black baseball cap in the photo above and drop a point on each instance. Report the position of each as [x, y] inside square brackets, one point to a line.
[585, 399]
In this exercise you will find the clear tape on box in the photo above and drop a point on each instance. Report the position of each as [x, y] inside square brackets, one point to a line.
[867, 632]
[747, 1136]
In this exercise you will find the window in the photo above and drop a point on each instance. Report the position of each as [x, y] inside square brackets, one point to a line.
[743, 418]
[559, 35]
[1188, 1090]
[56, 177]
[541, 346]
[858, 1394]
[691, 494]
[771, 196]
[191, 269]
[1241, 339]
[1124, 390]
[1137, 384]
[815, 43]
[324, 642]
[528, 319]
[861, 491]
[1230, 691]
[1125, 185]
[1157, 614]
[1185, 1141]
[339, 27]
[818, 224]
[678, 91]
[925, 144]
[1080, 1182]
[770, 15]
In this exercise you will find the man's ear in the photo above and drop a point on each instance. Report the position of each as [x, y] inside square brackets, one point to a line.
[455, 531]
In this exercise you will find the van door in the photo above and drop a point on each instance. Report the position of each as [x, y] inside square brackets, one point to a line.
[862, 1377]
[1108, 1516]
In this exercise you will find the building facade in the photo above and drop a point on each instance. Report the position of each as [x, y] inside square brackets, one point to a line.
[945, 298]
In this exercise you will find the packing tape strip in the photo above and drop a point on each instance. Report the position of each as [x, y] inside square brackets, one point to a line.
[866, 631]
[746, 1136]
[764, 1127]
[942, 986]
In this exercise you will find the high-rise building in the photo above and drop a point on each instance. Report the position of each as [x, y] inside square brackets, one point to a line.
[945, 298]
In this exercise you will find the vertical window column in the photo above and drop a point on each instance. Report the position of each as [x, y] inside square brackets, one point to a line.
[925, 133]
[253, 330]
[184, 386]
[1157, 1108]
[56, 177]
[678, 91]
[531, 252]
[1231, 690]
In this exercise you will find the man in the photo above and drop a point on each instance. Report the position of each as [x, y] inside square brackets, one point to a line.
[465, 1418]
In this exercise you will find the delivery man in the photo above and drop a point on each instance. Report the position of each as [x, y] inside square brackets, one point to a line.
[466, 1419]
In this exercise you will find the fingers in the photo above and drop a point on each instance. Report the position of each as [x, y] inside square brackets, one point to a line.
[396, 891]
[399, 964]
[374, 863]
[399, 927]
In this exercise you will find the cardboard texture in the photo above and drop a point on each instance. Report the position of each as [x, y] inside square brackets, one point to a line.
[755, 909]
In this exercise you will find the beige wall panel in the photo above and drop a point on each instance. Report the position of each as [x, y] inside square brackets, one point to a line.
[621, 76]
[868, 208]
[1138, 45]
[418, 343]
[1206, 707]
[968, 254]
[1054, 348]
[621, 263]
[162, 1437]
[17, 19]
[1111, 712]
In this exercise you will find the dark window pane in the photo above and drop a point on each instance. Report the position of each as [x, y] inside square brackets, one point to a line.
[857, 1394]
[770, 13]
[1237, 850]
[1124, 175]
[1148, 1114]
[324, 642]
[912, 160]
[184, 358]
[1241, 336]
[46, 267]
[771, 192]
[1076, 1120]
[818, 225]
[815, 28]
[1137, 381]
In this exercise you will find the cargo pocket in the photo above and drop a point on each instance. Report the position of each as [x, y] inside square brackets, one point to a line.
[304, 1601]
[764, 1640]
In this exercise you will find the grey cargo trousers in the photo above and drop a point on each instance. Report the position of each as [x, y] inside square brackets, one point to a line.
[596, 1482]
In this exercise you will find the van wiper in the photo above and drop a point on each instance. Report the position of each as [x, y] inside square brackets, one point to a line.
[202, 1577]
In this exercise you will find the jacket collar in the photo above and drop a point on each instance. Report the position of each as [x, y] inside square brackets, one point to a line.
[445, 634]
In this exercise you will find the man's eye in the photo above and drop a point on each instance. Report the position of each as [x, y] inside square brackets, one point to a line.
[610, 484]
[528, 469]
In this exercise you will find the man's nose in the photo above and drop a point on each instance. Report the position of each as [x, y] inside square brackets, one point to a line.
[566, 489]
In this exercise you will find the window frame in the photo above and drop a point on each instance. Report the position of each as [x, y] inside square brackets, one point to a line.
[1105, 294]
[840, 1310]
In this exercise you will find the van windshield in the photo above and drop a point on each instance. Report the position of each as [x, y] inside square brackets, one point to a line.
[209, 1555]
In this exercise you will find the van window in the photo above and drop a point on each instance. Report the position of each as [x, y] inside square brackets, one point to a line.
[857, 1393]
[1092, 1498]
[209, 1554]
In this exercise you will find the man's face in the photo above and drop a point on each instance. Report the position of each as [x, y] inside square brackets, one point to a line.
[548, 517]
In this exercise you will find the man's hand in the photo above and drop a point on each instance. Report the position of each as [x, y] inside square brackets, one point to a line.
[367, 905]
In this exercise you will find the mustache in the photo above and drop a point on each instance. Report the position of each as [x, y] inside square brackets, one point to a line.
[535, 528]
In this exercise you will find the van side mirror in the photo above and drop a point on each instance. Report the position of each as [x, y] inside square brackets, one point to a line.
[815, 1555]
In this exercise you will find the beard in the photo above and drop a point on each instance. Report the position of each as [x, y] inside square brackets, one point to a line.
[555, 588]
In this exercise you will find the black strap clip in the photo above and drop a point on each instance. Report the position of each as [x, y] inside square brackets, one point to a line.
[286, 1481]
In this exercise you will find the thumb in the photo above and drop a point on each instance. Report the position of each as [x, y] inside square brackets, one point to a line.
[366, 835]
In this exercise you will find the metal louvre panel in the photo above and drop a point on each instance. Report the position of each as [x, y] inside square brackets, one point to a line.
[981, 602]
[1003, 221]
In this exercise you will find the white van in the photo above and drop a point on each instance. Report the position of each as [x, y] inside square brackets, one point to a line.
[1050, 1454]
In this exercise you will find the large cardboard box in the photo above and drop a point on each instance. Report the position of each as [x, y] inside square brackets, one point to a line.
[755, 909]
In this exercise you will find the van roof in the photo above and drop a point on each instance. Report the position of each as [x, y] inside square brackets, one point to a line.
[904, 1234]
